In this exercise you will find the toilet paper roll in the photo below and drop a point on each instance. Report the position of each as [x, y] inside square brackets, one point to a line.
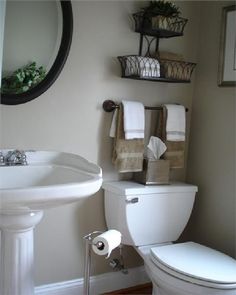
[106, 242]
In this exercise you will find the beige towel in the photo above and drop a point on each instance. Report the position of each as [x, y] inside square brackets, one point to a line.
[127, 154]
[170, 56]
[175, 150]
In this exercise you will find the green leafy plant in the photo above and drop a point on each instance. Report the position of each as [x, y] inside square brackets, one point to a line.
[161, 7]
[23, 79]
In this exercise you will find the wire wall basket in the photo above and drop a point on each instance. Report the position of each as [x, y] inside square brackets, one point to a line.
[159, 25]
[178, 70]
[140, 67]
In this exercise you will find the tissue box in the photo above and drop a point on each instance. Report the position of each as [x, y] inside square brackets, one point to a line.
[154, 172]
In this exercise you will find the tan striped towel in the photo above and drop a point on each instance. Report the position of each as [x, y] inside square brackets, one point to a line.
[127, 154]
[175, 149]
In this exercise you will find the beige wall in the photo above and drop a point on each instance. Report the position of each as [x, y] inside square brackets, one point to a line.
[2, 22]
[69, 117]
[211, 162]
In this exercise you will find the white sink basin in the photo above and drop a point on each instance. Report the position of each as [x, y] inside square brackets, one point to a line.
[50, 179]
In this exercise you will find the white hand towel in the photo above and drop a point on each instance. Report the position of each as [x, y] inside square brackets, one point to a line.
[175, 123]
[133, 119]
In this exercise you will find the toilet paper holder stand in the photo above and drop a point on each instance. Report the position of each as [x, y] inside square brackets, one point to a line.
[116, 264]
[87, 261]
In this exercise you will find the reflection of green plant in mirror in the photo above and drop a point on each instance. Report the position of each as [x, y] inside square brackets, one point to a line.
[23, 79]
[161, 7]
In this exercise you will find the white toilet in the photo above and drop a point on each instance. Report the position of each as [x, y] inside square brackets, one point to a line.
[150, 218]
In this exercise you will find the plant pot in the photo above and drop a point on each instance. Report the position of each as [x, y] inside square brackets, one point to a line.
[159, 25]
[160, 22]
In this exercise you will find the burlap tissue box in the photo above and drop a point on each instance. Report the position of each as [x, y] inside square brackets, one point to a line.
[154, 172]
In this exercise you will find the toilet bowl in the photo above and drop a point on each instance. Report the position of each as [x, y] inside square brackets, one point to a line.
[192, 273]
[151, 218]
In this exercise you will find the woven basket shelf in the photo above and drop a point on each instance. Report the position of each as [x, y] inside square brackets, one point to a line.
[152, 69]
[159, 26]
[179, 70]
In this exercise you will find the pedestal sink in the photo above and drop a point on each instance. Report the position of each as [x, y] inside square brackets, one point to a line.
[50, 179]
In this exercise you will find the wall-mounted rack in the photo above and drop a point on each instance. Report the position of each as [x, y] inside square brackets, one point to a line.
[157, 27]
[139, 67]
[145, 66]
[109, 106]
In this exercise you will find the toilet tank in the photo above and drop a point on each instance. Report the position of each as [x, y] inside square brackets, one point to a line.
[148, 215]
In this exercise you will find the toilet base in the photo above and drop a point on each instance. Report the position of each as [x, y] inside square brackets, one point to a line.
[157, 291]
[164, 291]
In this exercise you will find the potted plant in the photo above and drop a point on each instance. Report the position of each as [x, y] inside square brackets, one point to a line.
[23, 79]
[160, 14]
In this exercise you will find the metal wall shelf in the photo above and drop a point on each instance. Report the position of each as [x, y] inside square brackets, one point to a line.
[154, 79]
[159, 26]
[157, 70]
[159, 33]
[151, 30]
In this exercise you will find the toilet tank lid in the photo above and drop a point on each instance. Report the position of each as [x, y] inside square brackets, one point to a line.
[133, 188]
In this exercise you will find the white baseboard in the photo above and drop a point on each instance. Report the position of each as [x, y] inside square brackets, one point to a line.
[98, 284]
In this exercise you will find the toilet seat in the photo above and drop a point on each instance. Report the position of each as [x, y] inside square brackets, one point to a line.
[196, 264]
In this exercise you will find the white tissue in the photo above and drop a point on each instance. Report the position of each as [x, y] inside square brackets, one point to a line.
[110, 239]
[155, 148]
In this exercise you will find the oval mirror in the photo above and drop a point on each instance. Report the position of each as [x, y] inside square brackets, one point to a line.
[37, 39]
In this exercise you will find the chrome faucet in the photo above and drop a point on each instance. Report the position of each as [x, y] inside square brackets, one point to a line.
[15, 157]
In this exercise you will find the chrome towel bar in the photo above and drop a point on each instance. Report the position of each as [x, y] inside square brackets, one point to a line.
[110, 106]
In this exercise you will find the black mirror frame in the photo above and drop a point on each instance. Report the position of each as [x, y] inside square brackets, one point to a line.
[52, 75]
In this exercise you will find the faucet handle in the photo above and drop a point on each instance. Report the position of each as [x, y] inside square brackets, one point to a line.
[23, 158]
[1, 159]
[16, 157]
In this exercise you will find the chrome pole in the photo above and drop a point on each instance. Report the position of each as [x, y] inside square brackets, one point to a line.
[87, 260]
[87, 264]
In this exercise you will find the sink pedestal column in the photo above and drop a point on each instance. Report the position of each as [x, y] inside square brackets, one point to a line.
[16, 265]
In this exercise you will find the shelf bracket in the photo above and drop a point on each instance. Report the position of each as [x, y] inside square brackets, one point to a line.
[140, 44]
[149, 42]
